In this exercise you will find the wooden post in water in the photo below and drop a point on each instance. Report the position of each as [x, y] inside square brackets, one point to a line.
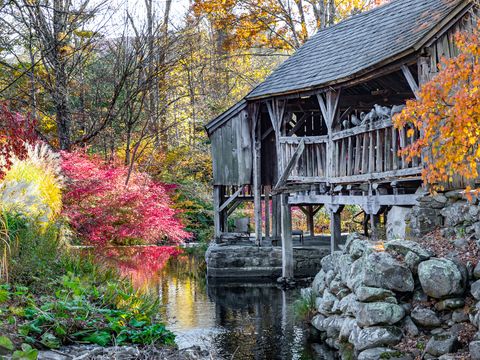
[267, 213]
[287, 241]
[217, 218]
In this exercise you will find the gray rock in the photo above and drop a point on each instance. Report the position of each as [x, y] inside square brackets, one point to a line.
[460, 243]
[328, 262]
[53, 355]
[382, 353]
[412, 260]
[381, 270]
[459, 316]
[347, 328]
[476, 271]
[475, 289]
[379, 313]
[376, 337]
[329, 276]
[333, 325]
[425, 317]
[440, 278]
[369, 294]
[319, 284]
[456, 213]
[474, 348]
[325, 303]
[348, 305]
[450, 304]
[342, 268]
[441, 344]
[404, 246]
[409, 326]
[396, 222]
[317, 322]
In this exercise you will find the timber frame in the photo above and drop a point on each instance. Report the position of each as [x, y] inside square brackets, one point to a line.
[329, 145]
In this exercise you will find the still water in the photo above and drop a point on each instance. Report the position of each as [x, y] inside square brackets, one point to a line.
[230, 320]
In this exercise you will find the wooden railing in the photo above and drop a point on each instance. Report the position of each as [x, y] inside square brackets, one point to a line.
[370, 149]
[312, 163]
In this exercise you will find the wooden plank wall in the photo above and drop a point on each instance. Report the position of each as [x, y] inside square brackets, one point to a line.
[232, 152]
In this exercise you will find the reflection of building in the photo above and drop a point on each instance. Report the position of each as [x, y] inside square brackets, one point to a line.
[318, 131]
[265, 319]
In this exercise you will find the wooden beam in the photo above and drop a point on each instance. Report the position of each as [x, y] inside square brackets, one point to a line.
[234, 206]
[288, 169]
[287, 241]
[411, 80]
[298, 125]
[231, 199]
[362, 201]
[257, 177]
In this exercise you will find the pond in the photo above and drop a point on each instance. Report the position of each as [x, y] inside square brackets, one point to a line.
[230, 320]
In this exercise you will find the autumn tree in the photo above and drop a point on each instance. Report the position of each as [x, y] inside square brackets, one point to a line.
[447, 116]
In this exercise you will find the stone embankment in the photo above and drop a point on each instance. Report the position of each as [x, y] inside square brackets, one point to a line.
[247, 261]
[397, 300]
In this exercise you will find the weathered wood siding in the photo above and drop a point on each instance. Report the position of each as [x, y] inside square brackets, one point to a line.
[444, 46]
[232, 151]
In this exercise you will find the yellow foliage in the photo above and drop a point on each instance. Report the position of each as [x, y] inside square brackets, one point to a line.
[33, 186]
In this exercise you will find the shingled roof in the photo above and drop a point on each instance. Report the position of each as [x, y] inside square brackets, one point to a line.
[358, 44]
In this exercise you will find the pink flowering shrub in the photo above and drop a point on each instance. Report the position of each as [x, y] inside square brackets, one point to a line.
[103, 210]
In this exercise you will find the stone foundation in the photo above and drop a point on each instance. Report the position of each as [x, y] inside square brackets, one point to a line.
[399, 301]
[240, 262]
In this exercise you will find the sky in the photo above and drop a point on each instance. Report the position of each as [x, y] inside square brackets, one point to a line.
[113, 13]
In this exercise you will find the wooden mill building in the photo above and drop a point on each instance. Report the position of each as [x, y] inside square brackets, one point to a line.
[318, 131]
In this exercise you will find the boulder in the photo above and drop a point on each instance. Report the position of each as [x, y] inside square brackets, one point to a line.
[317, 322]
[381, 353]
[347, 328]
[396, 222]
[381, 270]
[329, 261]
[442, 344]
[379, 313]
[457, 213]
[377, 336]
[425, 317]
[475, 350]
[370, 294]
[450, 304]
[475, 289]
[325, 303]
[412, 260]
[409, 326]
[403, 247]
[319, 284]
[441, 278]
[459, 316]
[347, 305]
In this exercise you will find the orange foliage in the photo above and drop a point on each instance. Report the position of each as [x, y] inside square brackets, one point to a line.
[448, 117]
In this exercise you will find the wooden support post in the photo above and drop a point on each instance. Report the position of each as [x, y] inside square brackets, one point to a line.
[267, 213]
[329, 106]
[274, 218]
[217, 217]
[335, 225]
[257, 178]
[310, 221]
[287, 241]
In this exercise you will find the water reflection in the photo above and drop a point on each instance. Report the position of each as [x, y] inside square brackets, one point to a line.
[231, 320]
